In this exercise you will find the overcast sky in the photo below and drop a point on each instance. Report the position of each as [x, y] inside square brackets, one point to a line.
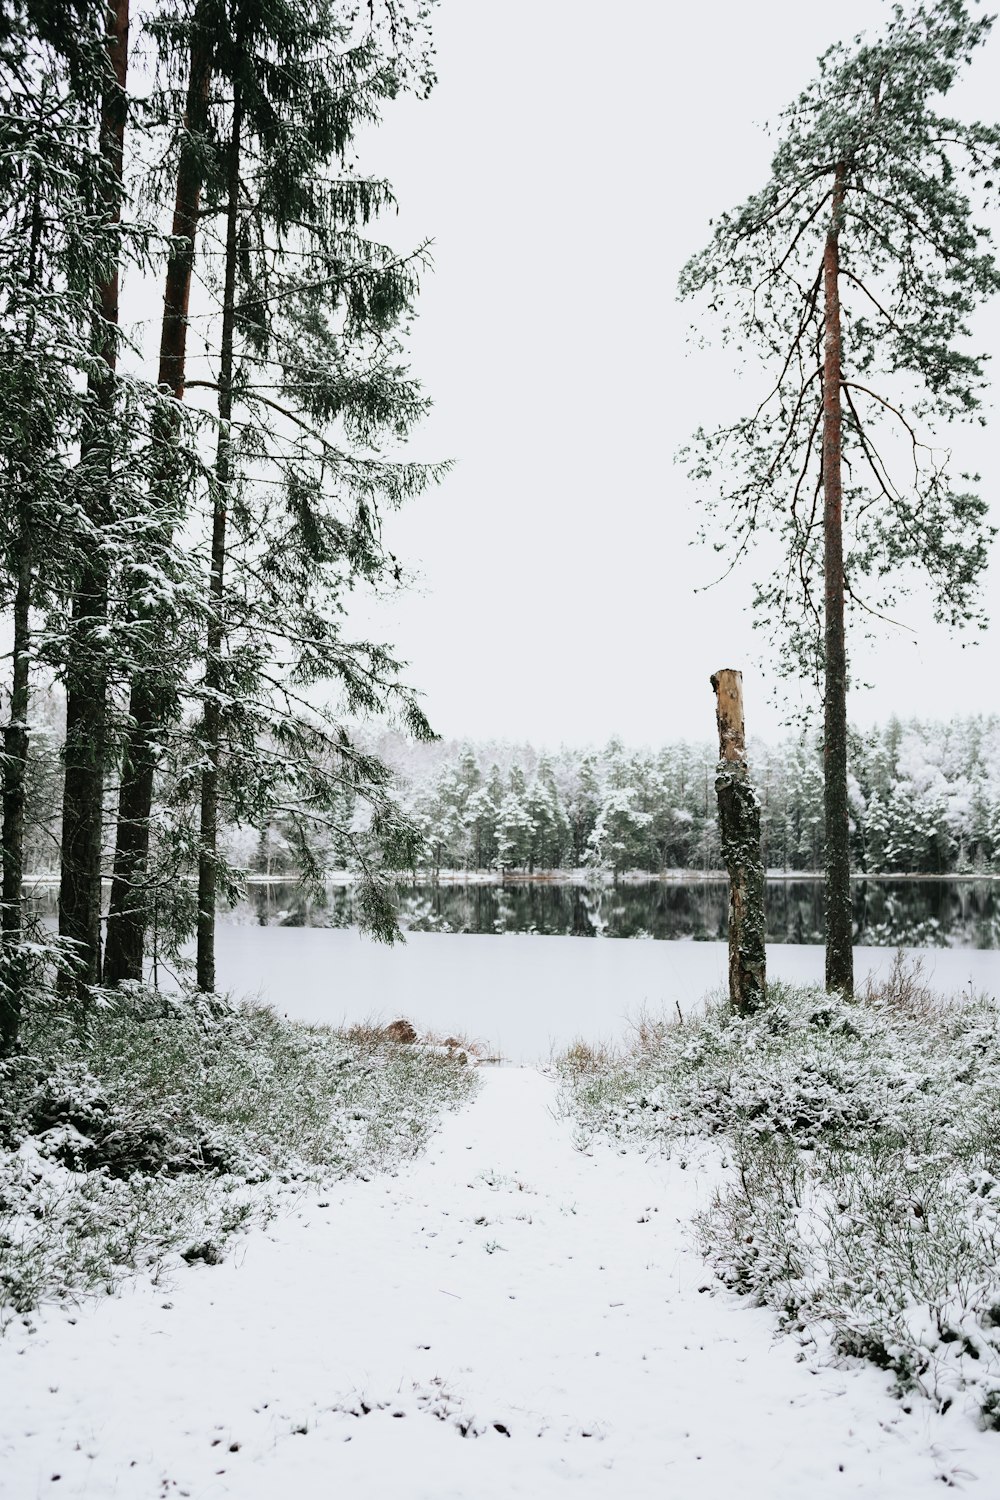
[565, 166]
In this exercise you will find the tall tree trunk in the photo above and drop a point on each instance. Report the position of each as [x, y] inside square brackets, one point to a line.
[15, 766]
[15, 749]
[87, 675]
[151, 695]
[212, 732]
[839, 915]
[739, 826]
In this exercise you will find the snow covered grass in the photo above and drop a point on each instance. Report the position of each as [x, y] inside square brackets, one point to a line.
[861, 1148]
[171, 1121]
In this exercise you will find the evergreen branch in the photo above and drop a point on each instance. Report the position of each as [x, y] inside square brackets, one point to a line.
[872, 299]
[867, 449]
[882, 401]
[875, 613]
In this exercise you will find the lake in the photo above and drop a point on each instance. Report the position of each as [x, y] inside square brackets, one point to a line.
[928, 913]
[521, 966]
[525, 995]
[518, 967]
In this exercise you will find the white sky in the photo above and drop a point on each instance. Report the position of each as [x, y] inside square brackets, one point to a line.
[565, 167]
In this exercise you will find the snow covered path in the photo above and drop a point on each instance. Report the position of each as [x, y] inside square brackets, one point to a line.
[506, 1317]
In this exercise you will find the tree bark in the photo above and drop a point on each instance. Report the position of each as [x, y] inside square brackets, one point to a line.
[151, 693]
[87, 673]
[212, 730]
[15, 748]
[15, 765]
[839, 913]
[739, 826]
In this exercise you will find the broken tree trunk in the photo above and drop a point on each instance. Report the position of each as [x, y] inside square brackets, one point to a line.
[739, 824]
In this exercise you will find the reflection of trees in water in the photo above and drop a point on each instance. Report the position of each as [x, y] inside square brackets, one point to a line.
[282, 904]
[916, 913]
[929, 914]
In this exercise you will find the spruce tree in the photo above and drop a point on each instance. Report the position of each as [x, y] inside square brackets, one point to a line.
[853, 273]
[50, 75]
[291, 387]
[310, 385]
[186, 40]
[87, 657]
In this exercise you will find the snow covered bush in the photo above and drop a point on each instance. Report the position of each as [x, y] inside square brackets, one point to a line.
[860, 1190]
[172, 1120]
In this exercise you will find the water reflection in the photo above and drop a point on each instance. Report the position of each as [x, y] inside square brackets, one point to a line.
[916, 913]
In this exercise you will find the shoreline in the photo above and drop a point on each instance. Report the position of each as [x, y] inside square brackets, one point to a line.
[340, 878]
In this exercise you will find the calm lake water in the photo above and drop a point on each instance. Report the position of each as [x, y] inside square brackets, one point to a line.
[475, 962]
[887, 914]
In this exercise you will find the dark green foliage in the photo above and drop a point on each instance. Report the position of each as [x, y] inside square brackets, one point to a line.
[311, 387]
[107, 480]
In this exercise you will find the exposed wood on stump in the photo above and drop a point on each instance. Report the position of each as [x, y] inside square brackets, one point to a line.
[739, 825]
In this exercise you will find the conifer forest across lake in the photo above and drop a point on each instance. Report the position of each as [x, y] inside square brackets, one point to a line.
[915, 913]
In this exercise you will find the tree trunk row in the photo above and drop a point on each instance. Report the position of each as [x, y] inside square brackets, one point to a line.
[87, 676]
[152, 692]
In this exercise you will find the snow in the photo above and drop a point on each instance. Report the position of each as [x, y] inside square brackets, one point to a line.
[509, 1316]
[523, 994]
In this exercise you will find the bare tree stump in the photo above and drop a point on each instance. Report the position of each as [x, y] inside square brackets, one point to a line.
[739, 824]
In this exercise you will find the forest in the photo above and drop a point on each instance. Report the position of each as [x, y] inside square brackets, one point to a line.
[204, 408]
[924, 797]
[499, 1180]
[925, 800]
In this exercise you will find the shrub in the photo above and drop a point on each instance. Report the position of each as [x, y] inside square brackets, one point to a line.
[172, 1120]
[863, 1178]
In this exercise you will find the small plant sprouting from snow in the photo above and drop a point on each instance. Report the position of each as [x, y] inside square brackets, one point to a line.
[861, 1143]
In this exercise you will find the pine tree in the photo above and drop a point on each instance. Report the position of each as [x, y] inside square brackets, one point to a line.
[855, 271]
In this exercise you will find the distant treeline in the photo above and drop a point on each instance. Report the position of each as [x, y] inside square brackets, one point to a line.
[925, 799]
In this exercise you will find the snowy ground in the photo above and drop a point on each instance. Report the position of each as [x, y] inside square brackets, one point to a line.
[523, 994]
[506, 1317]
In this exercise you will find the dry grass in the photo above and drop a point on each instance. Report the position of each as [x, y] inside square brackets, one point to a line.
[904, 991]
[582, 1057]
[367, 1034]
[460, 1041]
[371, 1035]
